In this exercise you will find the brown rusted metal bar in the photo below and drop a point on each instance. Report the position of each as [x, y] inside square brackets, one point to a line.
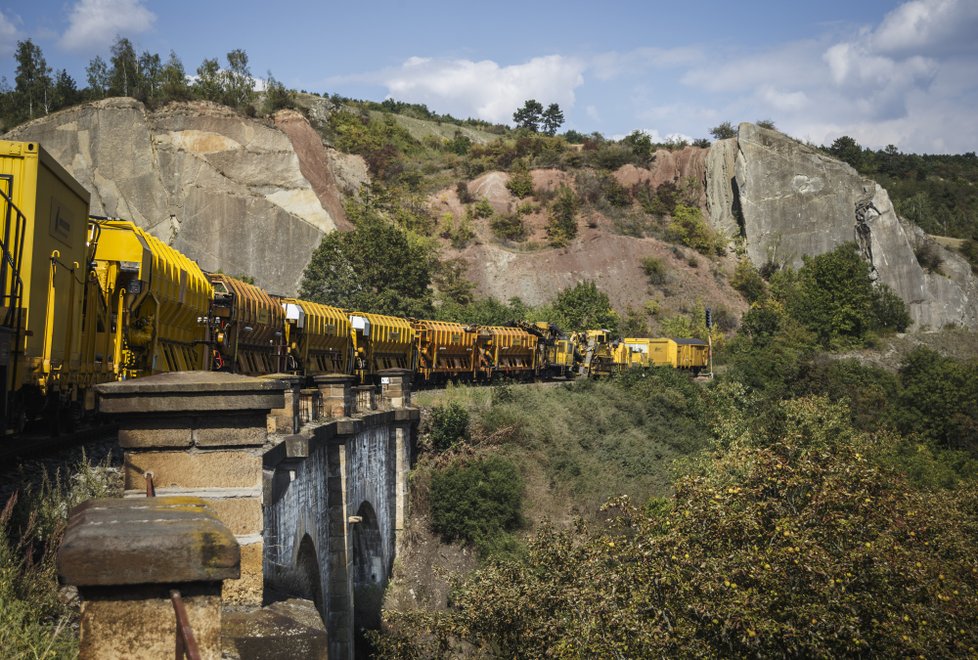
[186, 645]
[150, 488]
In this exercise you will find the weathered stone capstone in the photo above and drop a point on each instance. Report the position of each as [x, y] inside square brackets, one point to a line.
[126, 555]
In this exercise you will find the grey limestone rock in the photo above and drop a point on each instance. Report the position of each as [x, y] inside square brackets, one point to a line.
[793, 201]
[224, 189]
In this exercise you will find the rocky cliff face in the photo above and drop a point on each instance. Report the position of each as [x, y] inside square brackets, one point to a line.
[789, 200]
[235, 194]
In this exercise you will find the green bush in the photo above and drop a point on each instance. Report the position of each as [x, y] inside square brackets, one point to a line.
[449, 426]
[654, 270]
[483, 209]
[520, 182]
[748, 281]
[508, 226]
[689, 228]
[476, 502]
[563, 217]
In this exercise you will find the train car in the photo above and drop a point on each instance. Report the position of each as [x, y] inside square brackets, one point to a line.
[445, 351]
[633, 352]
[247, 328]
[679, 353]
[381, 342]
[556, 353]
[43, 279]
[506, 351]
[158, 302]
[597, 350]
[317, 338]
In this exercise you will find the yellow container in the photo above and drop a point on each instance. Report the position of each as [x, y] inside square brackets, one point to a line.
[445, 350]
[692, 354]
[506, 350]
[159, 300]
[42, 276]
[381, 342]
[247, 326]
[663, 352]
[318, 338]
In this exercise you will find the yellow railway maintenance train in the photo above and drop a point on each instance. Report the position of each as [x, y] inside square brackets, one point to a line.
[87, 300]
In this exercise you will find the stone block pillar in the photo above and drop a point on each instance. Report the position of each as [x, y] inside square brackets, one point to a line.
[395, 387]
[201, 434]
[338, 395]
[310, 405]
[285, 420]
[125, 556]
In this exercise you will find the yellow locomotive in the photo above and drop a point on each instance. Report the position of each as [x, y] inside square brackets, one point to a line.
[86, 300]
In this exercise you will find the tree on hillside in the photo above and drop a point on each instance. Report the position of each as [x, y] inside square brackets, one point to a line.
[848, 150]
[65, 91]
[562, 226]
[277, 96]
[529, 116]
[150, 77]
[584, 307]
[33, 80]
[97, 73]
[552, 119]
[173, 80]
[834, 297]
[208, 83]
[373, 268]
[124, 69]
[239, 86]
[723, 131]
[640, 144]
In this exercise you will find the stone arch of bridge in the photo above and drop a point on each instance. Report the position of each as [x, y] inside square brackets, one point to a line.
[309, 576]
[369, 572]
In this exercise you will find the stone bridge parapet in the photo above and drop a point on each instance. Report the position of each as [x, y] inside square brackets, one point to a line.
[316, 509]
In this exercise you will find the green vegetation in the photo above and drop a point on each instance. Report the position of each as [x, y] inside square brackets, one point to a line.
[833, 296]
[789, 540]
[35, 622]
[654, 270]
[353, 270]
[477, 502]
[449, 426]
[563, 218]
[689, 228]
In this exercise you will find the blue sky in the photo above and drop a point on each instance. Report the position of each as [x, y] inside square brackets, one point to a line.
[882, 71]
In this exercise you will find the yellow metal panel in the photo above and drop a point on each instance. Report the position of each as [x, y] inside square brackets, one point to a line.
[51, 258]
[324, 344]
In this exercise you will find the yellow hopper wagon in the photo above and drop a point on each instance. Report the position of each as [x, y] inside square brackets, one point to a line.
[693, 354]
[43, 276]
[317, 337]
[445, 350]
[158, 300]
[247, 326]
[381, 342]
[506, 351]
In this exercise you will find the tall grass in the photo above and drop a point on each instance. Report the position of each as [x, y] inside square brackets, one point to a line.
[36, 619]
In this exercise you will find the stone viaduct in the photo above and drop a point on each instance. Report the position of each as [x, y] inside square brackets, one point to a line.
[312, 482]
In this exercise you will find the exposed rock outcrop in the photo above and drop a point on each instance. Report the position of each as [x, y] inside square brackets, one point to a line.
[791, 200]
[226, 190]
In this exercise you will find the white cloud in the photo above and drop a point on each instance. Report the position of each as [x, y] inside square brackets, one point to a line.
[95, 23]
[8, 35]
[928, 27]
[483, 89]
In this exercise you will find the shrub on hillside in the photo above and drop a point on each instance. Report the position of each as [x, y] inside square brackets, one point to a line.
[689, 228]
[748, 281]
[476, 502]
[508, 226]
[562, 226]
[654, 270]
[520, 181]
[449, 426]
